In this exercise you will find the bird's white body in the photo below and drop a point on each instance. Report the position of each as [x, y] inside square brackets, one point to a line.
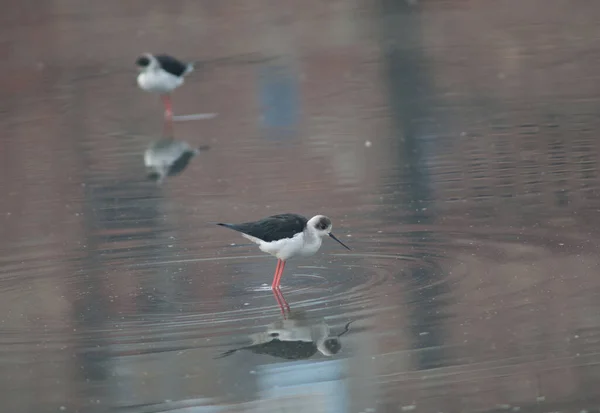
[162, 153]
[157, 80]
[305, 244]
[296, 330]
[291, 330]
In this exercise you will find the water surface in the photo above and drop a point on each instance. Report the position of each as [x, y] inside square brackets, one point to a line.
[453, 145]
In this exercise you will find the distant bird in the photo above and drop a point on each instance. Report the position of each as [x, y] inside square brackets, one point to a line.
[294, 339]
[162, 74]
[285, 236]
[168, 157]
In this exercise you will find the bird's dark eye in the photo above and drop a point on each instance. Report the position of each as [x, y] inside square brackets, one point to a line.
[323, 224]
[333, 345]
[142, 61]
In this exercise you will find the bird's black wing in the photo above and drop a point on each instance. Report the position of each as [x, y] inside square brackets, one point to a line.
[181, 163]
[273, 228]
[171, 65]
[289, 350]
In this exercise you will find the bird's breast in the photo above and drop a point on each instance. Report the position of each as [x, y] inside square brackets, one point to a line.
[310, 246]
[158, 81]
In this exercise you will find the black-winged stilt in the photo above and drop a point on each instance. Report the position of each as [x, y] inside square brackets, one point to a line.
[162, 74]
[285, 236]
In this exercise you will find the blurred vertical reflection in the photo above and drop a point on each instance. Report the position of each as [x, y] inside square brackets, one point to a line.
[279, 100]
[122, 221]
[408, 88]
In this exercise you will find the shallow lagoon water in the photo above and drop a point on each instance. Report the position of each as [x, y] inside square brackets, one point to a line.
[453, 144]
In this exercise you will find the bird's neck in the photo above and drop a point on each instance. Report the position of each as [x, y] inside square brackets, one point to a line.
[151, 68]
[308, 233]
[310, 237]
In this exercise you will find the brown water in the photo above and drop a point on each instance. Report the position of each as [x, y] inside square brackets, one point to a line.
[453, 144]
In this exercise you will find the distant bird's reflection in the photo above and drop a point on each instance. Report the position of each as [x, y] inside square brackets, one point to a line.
[168, 157]
[296, 337]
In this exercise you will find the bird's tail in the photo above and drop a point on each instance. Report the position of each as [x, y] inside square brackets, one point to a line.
[226, 353]
[222, 224]
[201, 148]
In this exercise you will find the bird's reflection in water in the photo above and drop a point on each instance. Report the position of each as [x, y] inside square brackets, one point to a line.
[168, 157]
[294, 337]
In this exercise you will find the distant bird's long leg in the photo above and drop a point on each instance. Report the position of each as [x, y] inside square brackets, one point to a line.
[274, 284]
[166, 98]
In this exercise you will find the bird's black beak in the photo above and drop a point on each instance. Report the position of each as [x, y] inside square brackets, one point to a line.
[334, 237]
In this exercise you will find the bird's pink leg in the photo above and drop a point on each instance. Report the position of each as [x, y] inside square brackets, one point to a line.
[168, 106]
[274, 284]
[287, 306]
[278, 280]
[283, 305]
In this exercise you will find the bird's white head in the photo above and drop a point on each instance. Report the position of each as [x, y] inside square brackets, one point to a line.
[146, 62]
[329, 346]
[322, 226]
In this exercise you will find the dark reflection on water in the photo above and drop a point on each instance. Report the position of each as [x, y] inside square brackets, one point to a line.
[453, 144]
[168, 157]
[294, 337]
